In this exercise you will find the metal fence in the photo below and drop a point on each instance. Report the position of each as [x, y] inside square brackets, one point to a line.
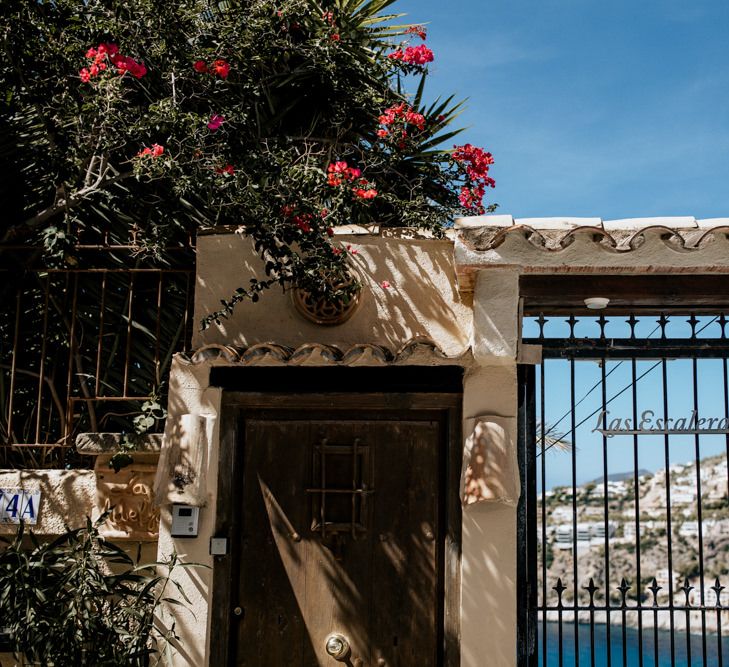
[624, 520]
[82, 348]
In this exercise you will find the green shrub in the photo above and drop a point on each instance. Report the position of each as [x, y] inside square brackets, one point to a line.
[80, 600]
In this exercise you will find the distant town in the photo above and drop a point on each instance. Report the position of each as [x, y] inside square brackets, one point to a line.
[584, 531]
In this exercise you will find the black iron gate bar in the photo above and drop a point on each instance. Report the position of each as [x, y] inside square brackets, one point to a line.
[630, 348]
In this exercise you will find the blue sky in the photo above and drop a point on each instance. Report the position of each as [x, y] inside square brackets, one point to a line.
[612, 109]
[619, 396]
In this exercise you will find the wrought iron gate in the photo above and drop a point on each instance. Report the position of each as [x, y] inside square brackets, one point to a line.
[624, 518]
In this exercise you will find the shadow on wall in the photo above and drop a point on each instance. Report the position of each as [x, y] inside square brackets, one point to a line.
[422, 299]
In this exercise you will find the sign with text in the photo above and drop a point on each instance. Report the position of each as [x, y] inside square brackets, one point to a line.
[18, 505]
[648, 424]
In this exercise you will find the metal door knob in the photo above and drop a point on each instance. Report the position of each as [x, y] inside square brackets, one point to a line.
[337, 646]
[238, 611]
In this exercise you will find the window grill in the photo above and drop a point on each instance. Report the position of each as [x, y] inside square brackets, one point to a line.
[342, 485]
[81, 349]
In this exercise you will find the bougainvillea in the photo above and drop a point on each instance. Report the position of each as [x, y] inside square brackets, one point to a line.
[282, 118]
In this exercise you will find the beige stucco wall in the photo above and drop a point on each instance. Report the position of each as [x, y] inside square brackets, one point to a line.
[422, 302]
[423, 299]
[67, 498]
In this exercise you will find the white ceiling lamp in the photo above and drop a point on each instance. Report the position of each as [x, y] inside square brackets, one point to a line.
[597, 302]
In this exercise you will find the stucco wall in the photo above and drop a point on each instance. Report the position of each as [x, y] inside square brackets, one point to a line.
[423, 299]
[422, 302]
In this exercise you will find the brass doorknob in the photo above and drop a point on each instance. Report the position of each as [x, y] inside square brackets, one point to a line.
[338, 647]
[238, 611]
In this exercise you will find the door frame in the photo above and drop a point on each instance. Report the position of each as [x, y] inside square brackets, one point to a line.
[237, 406]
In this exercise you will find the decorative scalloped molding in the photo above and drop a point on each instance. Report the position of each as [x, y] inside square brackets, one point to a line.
[618, 241]
[419, 350]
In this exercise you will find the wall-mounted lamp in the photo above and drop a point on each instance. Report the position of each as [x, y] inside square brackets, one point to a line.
[597, 302]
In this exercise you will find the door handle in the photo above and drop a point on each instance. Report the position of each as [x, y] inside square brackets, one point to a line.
[338, 647]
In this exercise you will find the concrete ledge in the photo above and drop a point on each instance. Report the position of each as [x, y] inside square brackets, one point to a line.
[97, 444]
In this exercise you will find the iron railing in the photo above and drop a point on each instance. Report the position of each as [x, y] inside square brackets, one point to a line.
[83, 346]
[624, 531]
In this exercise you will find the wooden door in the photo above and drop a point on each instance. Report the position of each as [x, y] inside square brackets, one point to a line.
[340, 532]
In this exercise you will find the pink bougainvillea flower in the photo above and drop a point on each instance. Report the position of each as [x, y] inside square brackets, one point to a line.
[108, 47]
[302, 222]
[200, 66]
[91, 53]
[417, 55]
[397, 54]
[85, 75]
[221, 68]
[126, 64]
[418, 30]
[94, 70]
[216, 120]
[330, 231]
[338, 172]
[335, 37]
[361, 193]
[352, 251]
[385, 284]
[155, 151]
[382, 132]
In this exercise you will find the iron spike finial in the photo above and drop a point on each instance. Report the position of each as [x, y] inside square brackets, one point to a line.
[718, 588]
[591, 589]
[623, 588]
[687, 588]
[654, 588]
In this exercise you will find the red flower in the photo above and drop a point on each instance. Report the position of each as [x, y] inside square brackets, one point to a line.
[155, 151]
[418, 30]
[382, 133]
[361, 193]
[287, 210]
[397, 54]
[476, 162]
[335, 37]
[302, 222]
[85, 75]
[338, 172]
[126, 64]
[417, 55]
[94, 70]
[330, 231]
[221, 68]
[227, 169]
[328, 17]
[91, 53]
[352, 251]
[385, 285]
[200, 66]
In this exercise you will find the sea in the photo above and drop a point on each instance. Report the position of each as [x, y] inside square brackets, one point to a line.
[597, 650]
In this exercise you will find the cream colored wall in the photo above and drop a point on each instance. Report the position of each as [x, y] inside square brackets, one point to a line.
[488, 563]
[422, 302]
[190, 394]
[423, 299]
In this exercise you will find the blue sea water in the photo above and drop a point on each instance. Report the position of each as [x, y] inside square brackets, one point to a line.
[599, 648]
